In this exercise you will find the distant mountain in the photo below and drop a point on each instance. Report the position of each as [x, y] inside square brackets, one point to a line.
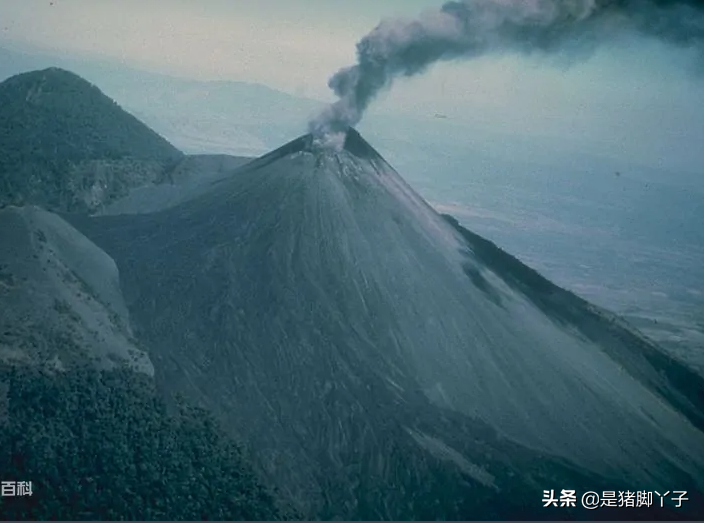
[382, 362]
[210, 116]
[66, 146]
[198, 116]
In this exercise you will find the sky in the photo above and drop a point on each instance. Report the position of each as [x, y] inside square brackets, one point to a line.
[638, 97]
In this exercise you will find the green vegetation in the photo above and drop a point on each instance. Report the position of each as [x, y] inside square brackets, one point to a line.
[102, 445]
[51, 123]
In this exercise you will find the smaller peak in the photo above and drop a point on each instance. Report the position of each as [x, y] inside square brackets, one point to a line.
[51, 77]
[58, 72]
[55, 72]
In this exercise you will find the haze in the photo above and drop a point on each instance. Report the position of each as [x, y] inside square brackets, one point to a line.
[637, 100]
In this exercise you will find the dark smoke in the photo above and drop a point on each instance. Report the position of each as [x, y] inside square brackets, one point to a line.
[471, 28]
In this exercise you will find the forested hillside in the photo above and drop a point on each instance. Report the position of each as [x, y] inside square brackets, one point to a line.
[103, 446]
[66, 146]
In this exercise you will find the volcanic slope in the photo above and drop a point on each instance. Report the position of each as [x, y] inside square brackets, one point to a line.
[382, 361]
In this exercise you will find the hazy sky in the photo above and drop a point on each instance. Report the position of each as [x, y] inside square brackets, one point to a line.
[640, 97]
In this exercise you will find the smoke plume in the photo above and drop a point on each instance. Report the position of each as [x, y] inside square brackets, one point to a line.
[471, 28]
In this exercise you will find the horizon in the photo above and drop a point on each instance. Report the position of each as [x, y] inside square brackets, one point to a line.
[637, 98]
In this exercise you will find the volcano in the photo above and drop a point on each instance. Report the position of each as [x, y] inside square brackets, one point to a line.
[380, 361]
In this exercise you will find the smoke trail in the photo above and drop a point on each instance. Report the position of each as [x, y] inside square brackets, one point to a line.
[471, 28]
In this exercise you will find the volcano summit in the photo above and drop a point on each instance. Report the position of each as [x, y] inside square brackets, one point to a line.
[382, 362]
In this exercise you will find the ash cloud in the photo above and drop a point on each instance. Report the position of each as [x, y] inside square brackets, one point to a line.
[472, 28]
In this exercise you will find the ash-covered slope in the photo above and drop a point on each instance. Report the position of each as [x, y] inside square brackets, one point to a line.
[60, 300]
[382, 361]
